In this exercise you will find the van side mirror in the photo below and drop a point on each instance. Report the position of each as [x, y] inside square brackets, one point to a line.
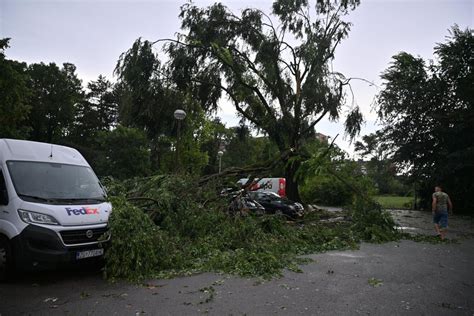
[3, 197]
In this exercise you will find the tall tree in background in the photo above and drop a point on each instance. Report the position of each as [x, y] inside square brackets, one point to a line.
[218, 138]
[96, 112]
[147, 99]
[372, 147]
[379, 167]
[54, 94]
[278, 77]
[428, 115]
[14, 94]
[124, 153]
[243, 149]
[140, 87]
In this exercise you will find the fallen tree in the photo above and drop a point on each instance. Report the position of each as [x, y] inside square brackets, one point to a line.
[187, 230]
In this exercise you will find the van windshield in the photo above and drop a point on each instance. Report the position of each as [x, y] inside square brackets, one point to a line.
[55, 183]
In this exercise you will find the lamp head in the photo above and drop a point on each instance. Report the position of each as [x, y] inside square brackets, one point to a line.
[179, 114]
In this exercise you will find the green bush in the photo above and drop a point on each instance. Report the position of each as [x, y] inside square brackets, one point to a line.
[325, 190]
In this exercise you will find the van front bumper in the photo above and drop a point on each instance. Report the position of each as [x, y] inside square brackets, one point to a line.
[37, 247]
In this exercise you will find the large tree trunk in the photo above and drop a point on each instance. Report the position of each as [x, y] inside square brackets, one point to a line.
[292, 190]
[287, 152]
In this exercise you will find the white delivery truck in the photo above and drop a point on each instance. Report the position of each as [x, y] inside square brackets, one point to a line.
[52, 207]
[277, 185]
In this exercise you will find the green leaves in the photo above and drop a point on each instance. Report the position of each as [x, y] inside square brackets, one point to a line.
[54, 93]
[95, 113]
[427, 114]
[371, 223]
[133, 252]
[353, 122]
[123, 153]
[184, 232]
[223, 53]
[14, 93]
[375, 282]
[281, 88]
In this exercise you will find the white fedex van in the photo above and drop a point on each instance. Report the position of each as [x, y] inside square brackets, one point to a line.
[277, 185]
[52, 207]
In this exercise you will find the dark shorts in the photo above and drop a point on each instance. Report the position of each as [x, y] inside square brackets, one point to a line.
[441, 219]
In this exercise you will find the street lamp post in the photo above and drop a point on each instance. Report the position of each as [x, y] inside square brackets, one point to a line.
[178, 115]
[220, 153]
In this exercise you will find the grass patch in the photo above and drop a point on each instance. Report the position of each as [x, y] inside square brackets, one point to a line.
[394, 202]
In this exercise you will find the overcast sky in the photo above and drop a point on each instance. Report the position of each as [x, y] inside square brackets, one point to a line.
[93, 33]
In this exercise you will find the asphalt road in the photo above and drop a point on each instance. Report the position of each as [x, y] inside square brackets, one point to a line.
[398, 278]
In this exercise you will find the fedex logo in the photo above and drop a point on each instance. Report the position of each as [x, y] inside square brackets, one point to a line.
[82, 211]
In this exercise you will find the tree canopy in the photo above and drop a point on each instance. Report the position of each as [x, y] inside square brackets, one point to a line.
[96, 112]
[55, 93]
[14, 92]
[427, 113]
[274, 69]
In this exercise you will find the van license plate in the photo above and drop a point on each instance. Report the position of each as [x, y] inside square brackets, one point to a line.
[89, 253]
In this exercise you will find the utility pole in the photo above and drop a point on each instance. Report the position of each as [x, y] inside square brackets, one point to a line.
[179, 115]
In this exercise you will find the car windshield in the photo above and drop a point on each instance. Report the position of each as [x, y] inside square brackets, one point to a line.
[54, 183]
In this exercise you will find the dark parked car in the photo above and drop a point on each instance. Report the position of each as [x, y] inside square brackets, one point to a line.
[274, 204]
[241, 203]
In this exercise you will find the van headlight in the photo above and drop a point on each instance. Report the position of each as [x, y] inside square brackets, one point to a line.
[37, 218]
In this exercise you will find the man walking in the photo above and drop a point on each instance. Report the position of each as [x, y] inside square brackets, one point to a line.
[440, 206]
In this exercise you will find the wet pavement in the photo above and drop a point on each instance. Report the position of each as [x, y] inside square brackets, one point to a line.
[419, 222]
[401, 278]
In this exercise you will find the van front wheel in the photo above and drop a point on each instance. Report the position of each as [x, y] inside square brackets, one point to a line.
[5, 258]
